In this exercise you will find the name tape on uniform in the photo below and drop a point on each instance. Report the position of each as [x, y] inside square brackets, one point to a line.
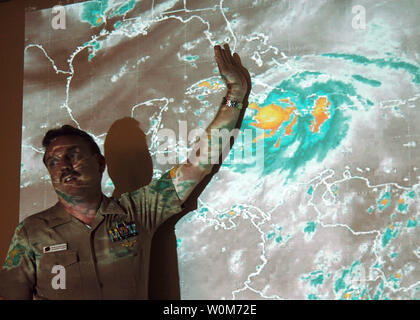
[55, 248]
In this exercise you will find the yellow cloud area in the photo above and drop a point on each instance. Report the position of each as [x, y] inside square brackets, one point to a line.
[272, 117]
[320, 113]
[215, 86]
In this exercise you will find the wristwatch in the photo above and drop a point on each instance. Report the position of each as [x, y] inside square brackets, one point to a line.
[232, 103]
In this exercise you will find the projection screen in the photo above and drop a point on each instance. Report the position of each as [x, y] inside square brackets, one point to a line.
[321, 201]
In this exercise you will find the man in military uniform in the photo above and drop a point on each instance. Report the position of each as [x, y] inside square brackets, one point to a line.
[89, 246]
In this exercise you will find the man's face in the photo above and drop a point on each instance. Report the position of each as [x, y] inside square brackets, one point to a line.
[73, 167]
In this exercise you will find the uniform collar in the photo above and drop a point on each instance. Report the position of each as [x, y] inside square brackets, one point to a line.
[110, 206]
[60, 216]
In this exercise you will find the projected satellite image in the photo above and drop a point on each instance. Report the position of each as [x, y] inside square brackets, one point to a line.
[326, 203]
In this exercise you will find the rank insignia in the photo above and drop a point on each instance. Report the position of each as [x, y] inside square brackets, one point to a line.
[129, 243]
[120, 231]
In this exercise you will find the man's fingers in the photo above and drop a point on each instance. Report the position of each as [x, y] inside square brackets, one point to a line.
[218, 54]
[226, 58]
[228, 53]
[231, 64]
[237, 58]
[222, 56]
[244, 70]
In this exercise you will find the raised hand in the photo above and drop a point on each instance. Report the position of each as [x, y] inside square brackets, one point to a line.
[235, 75]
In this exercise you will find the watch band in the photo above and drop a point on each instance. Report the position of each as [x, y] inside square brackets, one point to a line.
[232, 103]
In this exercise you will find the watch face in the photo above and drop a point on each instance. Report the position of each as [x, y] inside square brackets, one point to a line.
[232, 103]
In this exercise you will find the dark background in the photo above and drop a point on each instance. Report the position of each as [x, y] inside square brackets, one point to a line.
[12, 30]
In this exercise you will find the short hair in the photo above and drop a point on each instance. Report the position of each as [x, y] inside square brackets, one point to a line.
[68, 130]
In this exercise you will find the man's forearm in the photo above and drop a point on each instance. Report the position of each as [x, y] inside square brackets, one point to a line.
[218, 135]
[213, 145]
[208, 150]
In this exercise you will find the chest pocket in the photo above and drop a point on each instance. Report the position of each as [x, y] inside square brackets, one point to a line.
[58, 276]
[125, 263]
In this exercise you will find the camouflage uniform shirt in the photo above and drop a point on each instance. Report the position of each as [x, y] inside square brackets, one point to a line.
[100, 262]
